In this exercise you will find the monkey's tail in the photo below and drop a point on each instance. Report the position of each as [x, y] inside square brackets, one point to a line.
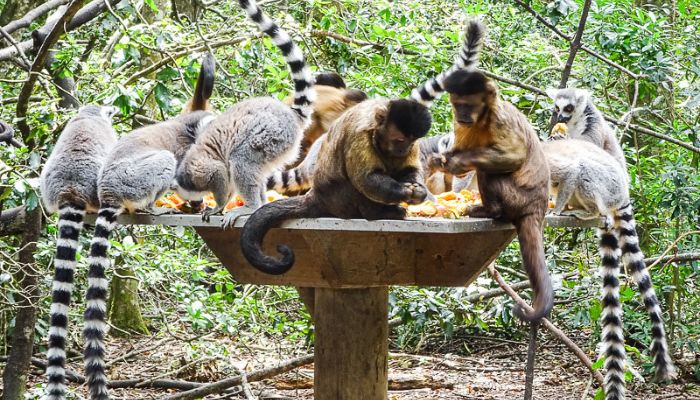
[612, 339]
[468, 59]
[532, 250]
[633, 260]
[95, 327]
[304, 93]
[70, 223]
[292, 180]
[205, 84]
[262, 221]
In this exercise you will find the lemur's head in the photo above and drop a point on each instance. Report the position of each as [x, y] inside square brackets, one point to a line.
[569, 104]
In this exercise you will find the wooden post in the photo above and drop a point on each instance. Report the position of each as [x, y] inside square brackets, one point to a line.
[351, 344]
[530, 366]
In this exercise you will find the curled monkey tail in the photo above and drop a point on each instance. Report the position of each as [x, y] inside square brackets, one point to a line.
[633, 259]
[530, 233]
[292, 180]
[95, 327]
[205, 85]
[304, 93]
[612, 339]
[70, 223]
[262, 221]
[468, 59]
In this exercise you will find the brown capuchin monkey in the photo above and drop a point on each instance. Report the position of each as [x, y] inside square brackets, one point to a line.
[495, 139]
[367, 165]
[332, 99]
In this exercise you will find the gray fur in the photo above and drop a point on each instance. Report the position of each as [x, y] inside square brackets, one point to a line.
[142, 165]
[239, 150]
[586, 177]
[70, 173]
[435, 181]
[585, 121]
[300, 177]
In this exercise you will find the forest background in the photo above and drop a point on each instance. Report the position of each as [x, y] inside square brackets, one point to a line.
[639, 59]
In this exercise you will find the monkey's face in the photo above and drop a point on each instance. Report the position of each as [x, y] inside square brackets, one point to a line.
[564, 112]
[392, 142]
[468, 109]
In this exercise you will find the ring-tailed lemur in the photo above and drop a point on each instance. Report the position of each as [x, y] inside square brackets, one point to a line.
[68, 184]
[468, 59]
[243, 146]
[138, 170]
[584, 121]
[585, 176]
[300, 177]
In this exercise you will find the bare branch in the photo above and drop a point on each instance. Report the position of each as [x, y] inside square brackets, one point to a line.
[7, 135]
[550, 327]
[657, 135]
[85, 15]
[30, 16]
[575, 45]
[14, 43]
[349, 40]
[568, 38]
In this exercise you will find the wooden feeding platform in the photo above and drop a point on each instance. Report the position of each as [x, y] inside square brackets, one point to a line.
[343, 270]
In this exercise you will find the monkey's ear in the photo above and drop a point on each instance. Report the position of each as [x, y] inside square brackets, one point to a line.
[108, 112]
[582, 95]
[552, 93]
[372, 120]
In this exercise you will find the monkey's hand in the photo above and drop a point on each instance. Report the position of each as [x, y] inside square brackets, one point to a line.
[208, 212]
[415, 192]
[458, 164]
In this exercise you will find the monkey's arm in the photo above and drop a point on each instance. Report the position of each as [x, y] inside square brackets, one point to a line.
[382, 188]
[501, 157]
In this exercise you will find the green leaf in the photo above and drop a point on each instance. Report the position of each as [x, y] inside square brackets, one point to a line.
[152, 5]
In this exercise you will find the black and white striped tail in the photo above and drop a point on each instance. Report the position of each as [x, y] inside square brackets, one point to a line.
[468, 59]
[304, 93]
[633, 259]
[96, 304]
[293, 180]
[70, 223]
[612, 340]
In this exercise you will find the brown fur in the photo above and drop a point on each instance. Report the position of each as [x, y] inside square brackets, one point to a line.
[331, 103]
[501, 145]
[361, 173]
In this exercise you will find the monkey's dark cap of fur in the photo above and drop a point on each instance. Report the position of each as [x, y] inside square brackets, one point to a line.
[411, 117]
[355, 95]
[464, 83]
[330, 79]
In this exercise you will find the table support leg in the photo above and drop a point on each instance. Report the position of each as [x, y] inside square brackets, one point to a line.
[530, 366]
[352, 344]
[308, 297]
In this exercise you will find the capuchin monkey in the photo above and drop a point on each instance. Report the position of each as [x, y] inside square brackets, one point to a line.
[244, 145]
[367, 165]
[495, 139]
[137, 171]
[585, 176]
[68, 184]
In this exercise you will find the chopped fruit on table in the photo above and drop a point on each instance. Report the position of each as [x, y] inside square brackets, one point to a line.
[449, 205]
[175, 201]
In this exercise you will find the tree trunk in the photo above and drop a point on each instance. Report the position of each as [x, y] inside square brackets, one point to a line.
[22, 341]
[123, 308]
[15, 9]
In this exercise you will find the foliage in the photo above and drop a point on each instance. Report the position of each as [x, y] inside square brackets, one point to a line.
[180, 279]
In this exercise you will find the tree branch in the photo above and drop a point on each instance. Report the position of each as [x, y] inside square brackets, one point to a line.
[568, 38]
[12, 221]
[218, 387]
[31, 15]
[683, 257]
[550, 327]
[85, 15]
[50, 40]
[349, 40]
[575, 45]
[7, 135]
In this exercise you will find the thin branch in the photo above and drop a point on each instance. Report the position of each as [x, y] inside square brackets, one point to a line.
[575, 45]
[85, 15]
[14, 43]
[349, 40]
[11, 100]
[39, 61]
[32, 15]
[550, 327]
[673, 246]
[7, 135]
[657, 135]
[218, 387]
[683, 257]
[568, 38]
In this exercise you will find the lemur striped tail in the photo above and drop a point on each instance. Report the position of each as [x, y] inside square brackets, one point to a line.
[468, 59]
[612, 341]
[293, 180]
[304, 93]
[70, 223]
[96, 303]
[633, 259]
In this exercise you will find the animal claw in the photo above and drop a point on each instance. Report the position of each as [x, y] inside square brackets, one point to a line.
[232, 216]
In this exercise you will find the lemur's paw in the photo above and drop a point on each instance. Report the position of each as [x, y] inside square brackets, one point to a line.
[232, 216]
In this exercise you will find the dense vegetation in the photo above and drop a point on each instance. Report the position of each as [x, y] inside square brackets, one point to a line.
[144, 58]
